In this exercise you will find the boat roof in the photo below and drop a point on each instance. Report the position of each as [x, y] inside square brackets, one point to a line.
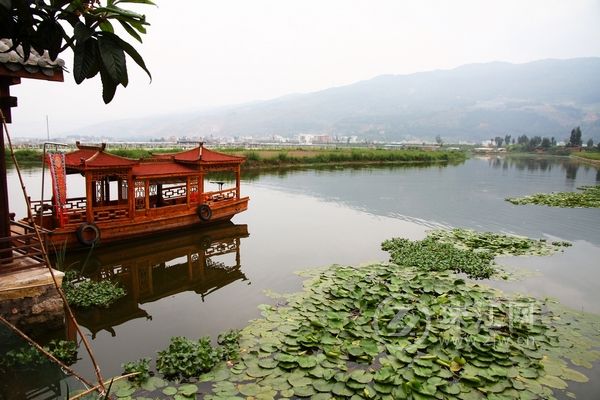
[161, 169]
[201, 155]
[95, 157]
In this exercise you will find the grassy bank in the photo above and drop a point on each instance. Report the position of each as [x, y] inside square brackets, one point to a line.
[296, 157]
[591, 156]
[284, 157]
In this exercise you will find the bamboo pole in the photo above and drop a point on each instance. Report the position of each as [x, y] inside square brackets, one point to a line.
[47, 260]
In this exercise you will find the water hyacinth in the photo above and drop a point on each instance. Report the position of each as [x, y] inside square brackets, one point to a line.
[589, 197]
[464, 251]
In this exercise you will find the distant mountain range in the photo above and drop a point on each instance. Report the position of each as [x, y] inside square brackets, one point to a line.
[472, 102]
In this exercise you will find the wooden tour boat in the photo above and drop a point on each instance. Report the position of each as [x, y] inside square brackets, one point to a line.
[127, 198]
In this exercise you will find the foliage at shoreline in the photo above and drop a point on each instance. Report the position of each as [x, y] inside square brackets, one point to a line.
[87, 293]
[464, 251]
[308, 157]
[386, 331]
[274, 158]
[590, 155]
[588, 197]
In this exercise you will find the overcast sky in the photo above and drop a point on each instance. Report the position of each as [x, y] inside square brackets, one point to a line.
[209, 53]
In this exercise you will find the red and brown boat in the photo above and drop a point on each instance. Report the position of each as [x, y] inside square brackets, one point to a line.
[127, 198]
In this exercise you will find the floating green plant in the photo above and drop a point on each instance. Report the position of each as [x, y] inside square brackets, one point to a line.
[464, 250]
[589, 197]
[29, 356]
[383, 330]
[386, 331]
[85, 293]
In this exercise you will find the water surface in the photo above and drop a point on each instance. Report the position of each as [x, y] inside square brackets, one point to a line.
[300, 219]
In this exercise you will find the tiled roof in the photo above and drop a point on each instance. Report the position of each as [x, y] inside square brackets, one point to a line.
[13, 60]
[161, 169]
[203, 154]
[95, 158]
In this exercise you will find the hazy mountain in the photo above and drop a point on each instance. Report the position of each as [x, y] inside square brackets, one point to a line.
[471, 102]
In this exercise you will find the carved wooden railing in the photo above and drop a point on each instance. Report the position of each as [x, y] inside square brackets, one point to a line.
[22, 244]
[74, 211]
[221, 195]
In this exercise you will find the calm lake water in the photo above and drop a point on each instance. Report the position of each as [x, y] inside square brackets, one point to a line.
[196, 284]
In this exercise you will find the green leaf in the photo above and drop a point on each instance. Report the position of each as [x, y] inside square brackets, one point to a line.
[169, 390]
[81, 33]
[361, 376]
[130, 30]
[106, 26]
[188, 390]
[113, 58]
[109, 87]
[133, 54]
[86, 62]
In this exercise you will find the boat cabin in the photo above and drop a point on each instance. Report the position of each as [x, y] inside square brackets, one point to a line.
[127, 198]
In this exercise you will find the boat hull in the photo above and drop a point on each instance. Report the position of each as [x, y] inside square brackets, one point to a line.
[143, 225]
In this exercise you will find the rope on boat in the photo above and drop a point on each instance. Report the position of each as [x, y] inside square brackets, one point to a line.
[70, 314]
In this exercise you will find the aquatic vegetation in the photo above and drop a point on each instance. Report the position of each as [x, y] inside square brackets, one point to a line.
[29, 356]
[141, 367]
[431, 255]
[84, 293]
[229, 344]
[497, 244]
[386, 331]
[464, 251]
[185, 358]
[589, 197]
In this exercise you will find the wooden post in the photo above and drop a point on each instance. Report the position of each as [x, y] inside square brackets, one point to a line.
[6, 102]
[237, 182]
[4, 213]
[89, 199]
[131, 195]
[147, 193]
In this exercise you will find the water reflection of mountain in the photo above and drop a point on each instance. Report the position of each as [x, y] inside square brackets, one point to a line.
[198, 261]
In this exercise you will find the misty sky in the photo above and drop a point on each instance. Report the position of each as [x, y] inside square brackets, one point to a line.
[210, 53]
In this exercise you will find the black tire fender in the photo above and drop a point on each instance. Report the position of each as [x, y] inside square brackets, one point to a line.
[204, 212]
[88, 234]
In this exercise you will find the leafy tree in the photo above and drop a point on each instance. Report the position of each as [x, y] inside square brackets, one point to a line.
[575, 139]
[438, 140]
[84, 26]
[523, 139]
[546, 143]
[507, 140]
[535, 142]
[553, 141]
[498, 140]
[590, 143]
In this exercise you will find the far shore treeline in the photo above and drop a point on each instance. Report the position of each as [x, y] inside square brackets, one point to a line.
[293, 156]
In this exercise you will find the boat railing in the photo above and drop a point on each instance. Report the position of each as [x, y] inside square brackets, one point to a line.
[74, 211]
[221, 195]
[111, 213]
[23, 244]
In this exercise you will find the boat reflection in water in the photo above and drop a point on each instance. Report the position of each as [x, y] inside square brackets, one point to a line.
[199, 261]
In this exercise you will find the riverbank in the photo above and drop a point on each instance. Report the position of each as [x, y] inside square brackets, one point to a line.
[300, 157]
